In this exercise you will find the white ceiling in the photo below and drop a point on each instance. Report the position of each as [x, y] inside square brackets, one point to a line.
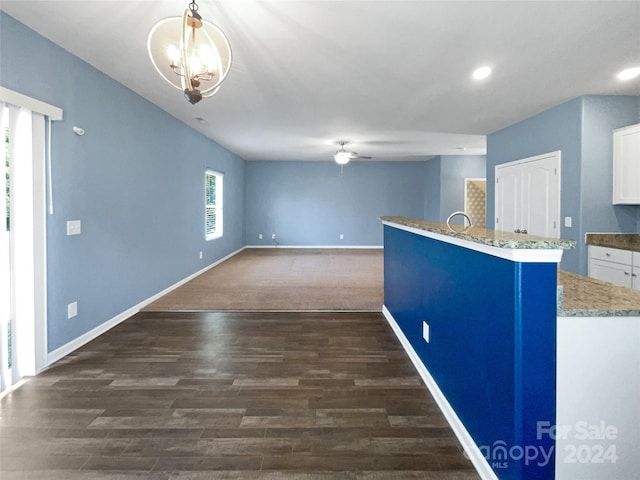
[392, 77]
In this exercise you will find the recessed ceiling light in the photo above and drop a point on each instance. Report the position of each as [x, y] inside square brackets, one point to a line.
[481, 73]
[629, 73]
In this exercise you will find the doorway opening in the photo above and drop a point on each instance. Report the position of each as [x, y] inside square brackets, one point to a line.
[475, 201]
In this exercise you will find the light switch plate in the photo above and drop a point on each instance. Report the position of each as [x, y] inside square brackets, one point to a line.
[74, 227]
[72, 310]
[567, 221]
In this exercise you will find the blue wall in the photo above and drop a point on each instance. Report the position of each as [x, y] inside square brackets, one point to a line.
[140, 199]
[454, 169]
[444, 184]
[602, 114]
[582, 130]
[432, 190]
[312, 203]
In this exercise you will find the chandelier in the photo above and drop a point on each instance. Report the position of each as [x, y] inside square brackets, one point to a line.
[190, 53]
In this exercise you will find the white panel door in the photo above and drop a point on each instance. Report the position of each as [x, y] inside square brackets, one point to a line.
[508, 198]
[541, 197]
[527, 196]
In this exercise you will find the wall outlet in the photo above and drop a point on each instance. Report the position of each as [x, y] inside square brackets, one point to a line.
[200, 255]
[342, 236]
[259, 236]
[273, 236]
[74, 227]
[425, 331]
[72, 310]
[567, 221]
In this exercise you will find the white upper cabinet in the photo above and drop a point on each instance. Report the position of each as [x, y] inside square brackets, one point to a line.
[626, 165]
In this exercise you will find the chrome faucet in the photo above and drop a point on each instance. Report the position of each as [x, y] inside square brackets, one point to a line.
[459, 212]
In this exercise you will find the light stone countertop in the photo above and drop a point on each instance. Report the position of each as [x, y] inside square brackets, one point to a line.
[484, 236]
[580, 296]
[624, 241]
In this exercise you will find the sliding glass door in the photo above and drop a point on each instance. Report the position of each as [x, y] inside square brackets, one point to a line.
[5, 258]
[22, 246]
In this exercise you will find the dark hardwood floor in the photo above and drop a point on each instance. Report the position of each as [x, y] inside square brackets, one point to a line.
[196, 396]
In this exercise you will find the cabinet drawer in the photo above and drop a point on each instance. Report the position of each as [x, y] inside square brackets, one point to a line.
[611, 254]
[611, 272]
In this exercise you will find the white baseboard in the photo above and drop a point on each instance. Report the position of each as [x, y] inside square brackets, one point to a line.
[78, 342]
[471, 449]
[355, 247]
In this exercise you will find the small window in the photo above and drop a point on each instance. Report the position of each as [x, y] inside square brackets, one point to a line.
[213, 204]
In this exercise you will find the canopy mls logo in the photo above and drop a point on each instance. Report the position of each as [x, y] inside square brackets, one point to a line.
[589, 443]
[499, 454]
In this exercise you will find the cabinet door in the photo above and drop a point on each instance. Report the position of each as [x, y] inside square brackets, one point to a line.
[626, 165]
[635, 278]
[615, 273]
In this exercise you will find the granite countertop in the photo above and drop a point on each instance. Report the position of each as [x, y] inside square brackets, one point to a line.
[580, 296]
[624, 241]
[483, 236]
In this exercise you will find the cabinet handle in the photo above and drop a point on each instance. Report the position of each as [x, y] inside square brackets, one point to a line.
[626, 273]
[523, 231]
[608, 254]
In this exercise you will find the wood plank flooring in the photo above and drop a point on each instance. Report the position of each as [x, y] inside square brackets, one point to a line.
[221, 395]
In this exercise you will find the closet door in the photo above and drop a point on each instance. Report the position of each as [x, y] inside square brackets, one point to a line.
[528, 196]
[541, 197]
[508, 198]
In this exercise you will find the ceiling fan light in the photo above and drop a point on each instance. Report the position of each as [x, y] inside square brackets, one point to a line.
[342, 158]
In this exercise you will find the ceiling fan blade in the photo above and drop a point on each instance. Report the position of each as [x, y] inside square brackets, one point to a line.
[364, 157]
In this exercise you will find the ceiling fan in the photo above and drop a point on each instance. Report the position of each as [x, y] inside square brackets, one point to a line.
[342, 156]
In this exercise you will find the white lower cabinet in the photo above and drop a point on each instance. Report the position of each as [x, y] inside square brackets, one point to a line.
[620, 267]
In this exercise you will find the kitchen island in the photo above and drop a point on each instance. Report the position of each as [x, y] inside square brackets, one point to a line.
[537, 370]
[476, 311]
